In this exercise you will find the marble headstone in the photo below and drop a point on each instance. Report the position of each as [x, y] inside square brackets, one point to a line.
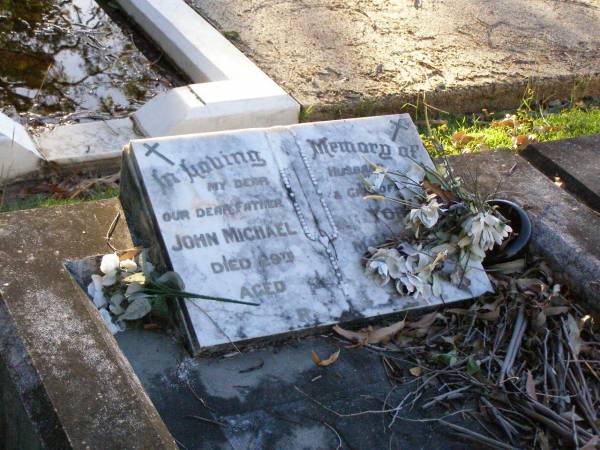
[275, 216]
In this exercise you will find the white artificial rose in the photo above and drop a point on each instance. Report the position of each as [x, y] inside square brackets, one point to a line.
[128, 265]
[109, 263]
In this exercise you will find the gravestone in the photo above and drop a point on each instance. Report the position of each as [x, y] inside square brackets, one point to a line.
[275, 216]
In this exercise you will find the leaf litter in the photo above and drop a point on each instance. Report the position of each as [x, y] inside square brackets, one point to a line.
[526, 357]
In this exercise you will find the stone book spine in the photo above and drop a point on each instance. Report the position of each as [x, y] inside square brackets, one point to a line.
[145, 233]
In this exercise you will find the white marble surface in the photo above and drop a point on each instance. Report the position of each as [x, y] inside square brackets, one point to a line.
[303, 221]
[19, 156]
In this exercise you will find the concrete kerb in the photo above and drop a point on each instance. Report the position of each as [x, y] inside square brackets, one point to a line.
[19, 156]
[229, 91]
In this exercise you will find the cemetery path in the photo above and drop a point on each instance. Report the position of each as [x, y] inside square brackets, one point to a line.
[358, 57]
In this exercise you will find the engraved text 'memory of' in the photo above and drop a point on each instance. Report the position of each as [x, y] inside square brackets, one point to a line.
[384, 151]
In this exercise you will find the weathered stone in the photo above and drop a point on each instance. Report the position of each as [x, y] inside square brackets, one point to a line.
[276, 216]
[357, 57]
[565, 231]
[76, 387]
[577, 163]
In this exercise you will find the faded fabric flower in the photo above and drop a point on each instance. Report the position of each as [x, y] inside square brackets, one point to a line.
[95, 290]
[485, 230]
[128, 265]
[427, 214]
[414, 277]
[109, 263]
[109, 267]
[384, 263]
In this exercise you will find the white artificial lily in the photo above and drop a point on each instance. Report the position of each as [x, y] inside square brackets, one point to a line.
[409, 185]
[427, 215]
[384, 263]
[109, 263]
[109, 266]
[96, 292]
[485, 230]
[128, 265]
[415, 278]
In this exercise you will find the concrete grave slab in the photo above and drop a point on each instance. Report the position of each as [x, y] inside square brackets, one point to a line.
[349, 57]
[275, 216]
[77, 389]
[575, 161]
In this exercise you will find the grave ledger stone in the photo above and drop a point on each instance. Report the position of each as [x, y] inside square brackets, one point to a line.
[275, 216]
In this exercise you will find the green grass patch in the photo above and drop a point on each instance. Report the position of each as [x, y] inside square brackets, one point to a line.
[47, 200]
[513, 129]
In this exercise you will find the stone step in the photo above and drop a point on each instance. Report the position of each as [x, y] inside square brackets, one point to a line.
[575, 161]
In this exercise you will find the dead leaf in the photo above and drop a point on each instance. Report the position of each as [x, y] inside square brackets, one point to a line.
[461, 138]
[415, 371]
[508, 121]
[384, 334]
[443, 195]
[353, 336]
[425, 321]
[558, 182]
[370, 335]
[130, 253]
[325, 362]
[523, 140]
[530, 386]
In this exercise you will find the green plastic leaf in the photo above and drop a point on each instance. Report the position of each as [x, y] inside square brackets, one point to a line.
[472, 366]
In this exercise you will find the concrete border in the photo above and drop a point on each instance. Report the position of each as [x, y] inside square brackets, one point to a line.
[76, 388]
[229, 91]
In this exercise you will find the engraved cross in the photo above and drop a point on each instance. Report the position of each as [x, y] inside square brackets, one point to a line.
[152, 149]
[397, 126]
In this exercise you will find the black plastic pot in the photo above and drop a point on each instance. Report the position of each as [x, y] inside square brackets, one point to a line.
[521, 225]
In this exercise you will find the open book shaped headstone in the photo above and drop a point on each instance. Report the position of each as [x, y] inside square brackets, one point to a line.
[275, 216]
